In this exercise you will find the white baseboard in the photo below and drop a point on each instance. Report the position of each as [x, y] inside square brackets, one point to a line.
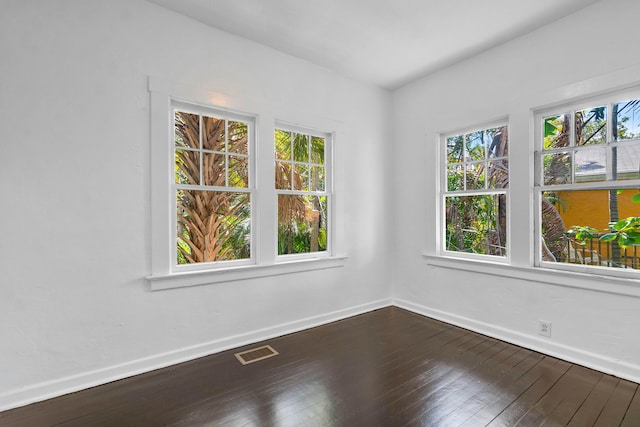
[47, 390]
[591, 360]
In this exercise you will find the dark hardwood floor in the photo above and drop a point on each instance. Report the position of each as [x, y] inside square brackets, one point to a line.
[389, 367]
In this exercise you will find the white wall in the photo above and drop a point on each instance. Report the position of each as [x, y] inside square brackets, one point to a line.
[591, 50]
[75, 307]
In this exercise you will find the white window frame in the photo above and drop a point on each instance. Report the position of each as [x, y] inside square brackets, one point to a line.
[607, 99]
[163, 275]
[444, 192]
[211, 111]
[328, 191]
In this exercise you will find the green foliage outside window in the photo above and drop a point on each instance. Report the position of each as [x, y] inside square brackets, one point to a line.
[477, 173]
[303, 212]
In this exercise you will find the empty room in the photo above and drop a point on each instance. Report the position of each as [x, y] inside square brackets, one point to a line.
[338, 213]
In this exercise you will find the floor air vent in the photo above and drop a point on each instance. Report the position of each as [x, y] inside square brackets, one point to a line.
[256, 354]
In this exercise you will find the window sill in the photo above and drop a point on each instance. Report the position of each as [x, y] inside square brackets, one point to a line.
[196, 278]
[588, 280]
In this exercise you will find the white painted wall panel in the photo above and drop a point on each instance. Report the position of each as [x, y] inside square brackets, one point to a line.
[74, 251]
[588, 51]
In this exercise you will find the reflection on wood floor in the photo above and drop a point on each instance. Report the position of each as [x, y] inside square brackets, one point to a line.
[389, 367]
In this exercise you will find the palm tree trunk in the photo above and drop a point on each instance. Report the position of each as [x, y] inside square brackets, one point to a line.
[615, 255]
[502, 222]
[553, 244]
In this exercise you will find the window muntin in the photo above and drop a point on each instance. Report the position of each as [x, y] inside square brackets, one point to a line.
[303, 188]
[588, 176]
[474, 191]
[213, 187]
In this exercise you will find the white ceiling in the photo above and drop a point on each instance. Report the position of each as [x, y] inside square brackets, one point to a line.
[384, 42]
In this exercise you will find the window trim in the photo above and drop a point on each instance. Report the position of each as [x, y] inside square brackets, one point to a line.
[160, 277]
[590, 280]
[521, 113]
[606, 98]
[441, 182]
[245, 272]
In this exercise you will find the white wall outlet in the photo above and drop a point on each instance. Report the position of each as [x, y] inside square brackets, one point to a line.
[544, 328]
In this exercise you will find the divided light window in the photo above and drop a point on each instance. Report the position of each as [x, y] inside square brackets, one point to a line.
[474, 191]
[303, 188]
[212, 186]
[588, 180]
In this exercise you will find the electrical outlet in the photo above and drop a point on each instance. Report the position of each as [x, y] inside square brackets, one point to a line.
[544, 328]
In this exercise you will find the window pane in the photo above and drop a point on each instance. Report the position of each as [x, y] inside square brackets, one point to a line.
[283, 144]
[455, 178]
[476, 224]
[283, 176]
[591, 126]
[300, 147]
[474, 145]
[475, 176]
[212, 226]
[302, 224]
[627, 161]
[556, 168]
[187, 130]
[317, 178]
[238, 138]
[454, 149]
[626, 116]
[213, 169]
[556, 131]
[498, 174]
[187, 167]
[591, 164]
[213, 134]
[317, 150]
[238, 171]
[498, 142]
[575, 223]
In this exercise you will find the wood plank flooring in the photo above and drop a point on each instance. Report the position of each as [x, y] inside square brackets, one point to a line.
[389, 367]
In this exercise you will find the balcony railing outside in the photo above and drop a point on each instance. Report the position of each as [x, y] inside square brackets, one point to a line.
[596, 252]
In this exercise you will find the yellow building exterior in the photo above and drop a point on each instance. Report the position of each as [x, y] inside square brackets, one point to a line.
[591, 208]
